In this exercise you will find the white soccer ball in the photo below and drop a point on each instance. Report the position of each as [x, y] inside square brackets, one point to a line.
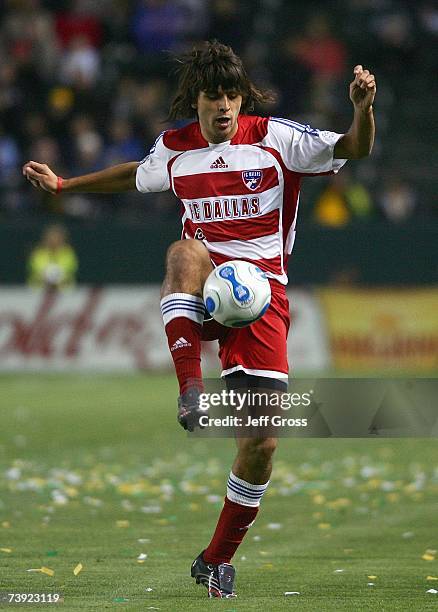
[237, 293]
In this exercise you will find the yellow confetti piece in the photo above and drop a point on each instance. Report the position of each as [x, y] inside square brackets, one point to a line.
[6, 550]
[393, 497]
[374, 483]
[122, 524]
[47, 571]
[372, 577]
[431, 577]
[337, 504]
[431, 551]
[267, 566]
[264, 553]
[6, 525]
[78, 569]
[324, 525]
[318, 500]
[428, 557]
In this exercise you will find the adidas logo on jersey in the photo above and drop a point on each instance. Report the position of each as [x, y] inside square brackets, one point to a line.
[219, 163]
[180, 343]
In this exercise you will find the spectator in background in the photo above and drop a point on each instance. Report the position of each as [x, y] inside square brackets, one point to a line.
[53, 263]
[343, 200]
[9, 160]
[87, 145]
[81, 63]
[324, 55]
[158, 25]
[123, 145]
[398, 200]
[78, 21]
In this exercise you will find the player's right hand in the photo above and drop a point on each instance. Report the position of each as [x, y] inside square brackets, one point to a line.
[41, 176]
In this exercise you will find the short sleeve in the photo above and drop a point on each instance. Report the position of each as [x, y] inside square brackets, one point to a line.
[152, 175]
[304, 149]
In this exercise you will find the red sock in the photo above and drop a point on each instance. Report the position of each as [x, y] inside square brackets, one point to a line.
[183, 316]
[231, 528]
[184, 340]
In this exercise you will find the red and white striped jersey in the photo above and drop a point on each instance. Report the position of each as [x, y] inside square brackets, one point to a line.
[240, 197]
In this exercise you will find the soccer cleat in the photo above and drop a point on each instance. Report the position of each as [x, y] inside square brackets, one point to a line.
[189, 410]
[218, 579]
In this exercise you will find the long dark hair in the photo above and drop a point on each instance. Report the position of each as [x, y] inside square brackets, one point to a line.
[208, 66]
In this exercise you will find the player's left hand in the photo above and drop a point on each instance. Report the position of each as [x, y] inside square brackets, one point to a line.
[362, 89]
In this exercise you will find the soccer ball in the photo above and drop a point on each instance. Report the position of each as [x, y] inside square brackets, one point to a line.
[237, 293]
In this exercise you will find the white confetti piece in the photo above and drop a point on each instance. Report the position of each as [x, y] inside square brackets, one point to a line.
[370, 583]
[257, 538]
[274, 526]
[243, 558]
[338, 571]
[142, 557]
[143, 540]
[292, 593]
[214, 499]
[151, 509]
[433, 591]
[149, 589]
[13, 473]
[407, 534]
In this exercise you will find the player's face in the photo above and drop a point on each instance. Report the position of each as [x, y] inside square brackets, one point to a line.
[218, 113]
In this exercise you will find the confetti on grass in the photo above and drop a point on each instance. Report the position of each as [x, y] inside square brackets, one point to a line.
[78, 569]
[43, 570]
[428, 557]
[292, 593]
[433, 591]
[6, 550]
[122, 524]
[432, 578]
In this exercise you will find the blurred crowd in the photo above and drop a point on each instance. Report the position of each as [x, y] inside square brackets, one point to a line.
[86, 84]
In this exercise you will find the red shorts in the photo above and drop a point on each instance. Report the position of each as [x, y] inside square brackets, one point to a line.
[259, 349]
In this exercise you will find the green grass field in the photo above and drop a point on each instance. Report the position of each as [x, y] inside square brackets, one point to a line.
[95, 470]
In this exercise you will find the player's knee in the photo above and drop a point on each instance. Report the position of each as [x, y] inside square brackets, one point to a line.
[261, 449]
[186, 254]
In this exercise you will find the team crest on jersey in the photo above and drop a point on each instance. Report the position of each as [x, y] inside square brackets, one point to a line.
[199, 234]
[252, 178]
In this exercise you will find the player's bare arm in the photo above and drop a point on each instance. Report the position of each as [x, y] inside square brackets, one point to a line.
[111, 180]
[358, 141]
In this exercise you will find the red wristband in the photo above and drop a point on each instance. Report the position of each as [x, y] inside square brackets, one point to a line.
[59, 182]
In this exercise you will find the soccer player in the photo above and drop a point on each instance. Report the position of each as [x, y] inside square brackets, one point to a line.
[238, 178]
